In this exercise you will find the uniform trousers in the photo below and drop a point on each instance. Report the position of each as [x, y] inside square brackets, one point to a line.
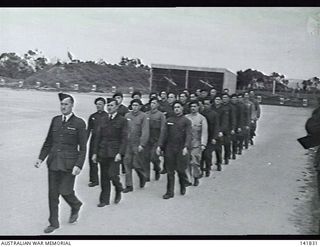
[61, 183]
[134, 160]
[109, 173]
[151, 156]
[206, 160]
[224, 141]
[93, 167]
[234, 143]
[237, 142]
[253, 127]
[246, 137]
[194, 165]
[176, 162]
[240, 140]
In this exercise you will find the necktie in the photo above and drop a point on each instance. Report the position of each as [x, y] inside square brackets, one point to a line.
[110, 117]
[64, 119]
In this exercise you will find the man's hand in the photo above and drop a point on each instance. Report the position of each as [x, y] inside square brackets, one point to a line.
[94, 158]
[247, 127]
[158, 151]
[38, 163]
[203, 147]
[76, 171]
[213, 141]
[220, 134]
[232, 132]
[140, 148]
[117, 158]
[184, 151]
[239, 129]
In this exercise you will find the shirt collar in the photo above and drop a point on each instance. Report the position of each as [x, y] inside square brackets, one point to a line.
[67, 116]
[113, 115]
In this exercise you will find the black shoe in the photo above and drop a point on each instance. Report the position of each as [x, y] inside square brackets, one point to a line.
[128, 189]
[74, 216]
[196, 182]
[117, 199]
[207, 173]
[147, 179]
[164, 171]
[143, 181]
[239, 152]
[226, 161]
[50, 229]
[233, 156]
[157, 176]
[251, 142]
[102, 204]
[182, 190]
[188, 184]
[219, 167]
[201, 174]
[92, 184]
[167, 196]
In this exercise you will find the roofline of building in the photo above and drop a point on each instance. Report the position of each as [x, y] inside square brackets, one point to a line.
[171, 66]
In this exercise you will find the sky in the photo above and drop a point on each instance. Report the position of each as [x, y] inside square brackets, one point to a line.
[284, 40]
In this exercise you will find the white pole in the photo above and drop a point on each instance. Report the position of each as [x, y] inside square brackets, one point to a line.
[274, 87]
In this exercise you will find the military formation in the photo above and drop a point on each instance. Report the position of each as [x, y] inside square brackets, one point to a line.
[172, 133]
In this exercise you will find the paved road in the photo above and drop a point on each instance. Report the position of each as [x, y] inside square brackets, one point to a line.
[255, 194]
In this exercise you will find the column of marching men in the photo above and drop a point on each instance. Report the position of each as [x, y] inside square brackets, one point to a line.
[186, 129]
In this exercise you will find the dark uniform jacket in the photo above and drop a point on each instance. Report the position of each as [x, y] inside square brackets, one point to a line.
[176, 134]
[122, 110]
[165, 107]
[213, 123]
[186, 108]
[65, 144]
[256, 108]
[247, 113]
[111, 137]
[226, 118]
[170, 111]
[93, 124]
[238, 113]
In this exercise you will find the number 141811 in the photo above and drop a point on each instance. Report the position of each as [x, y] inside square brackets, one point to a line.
[309, 242]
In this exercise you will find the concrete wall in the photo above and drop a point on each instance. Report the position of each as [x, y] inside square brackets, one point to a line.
[229, 78]
[230, 81]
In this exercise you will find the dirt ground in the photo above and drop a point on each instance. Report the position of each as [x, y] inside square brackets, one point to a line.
[270, 189]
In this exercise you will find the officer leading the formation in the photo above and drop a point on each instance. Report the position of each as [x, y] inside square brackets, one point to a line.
[65, 147]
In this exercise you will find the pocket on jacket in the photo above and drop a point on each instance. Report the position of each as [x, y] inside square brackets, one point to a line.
[70, 163]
